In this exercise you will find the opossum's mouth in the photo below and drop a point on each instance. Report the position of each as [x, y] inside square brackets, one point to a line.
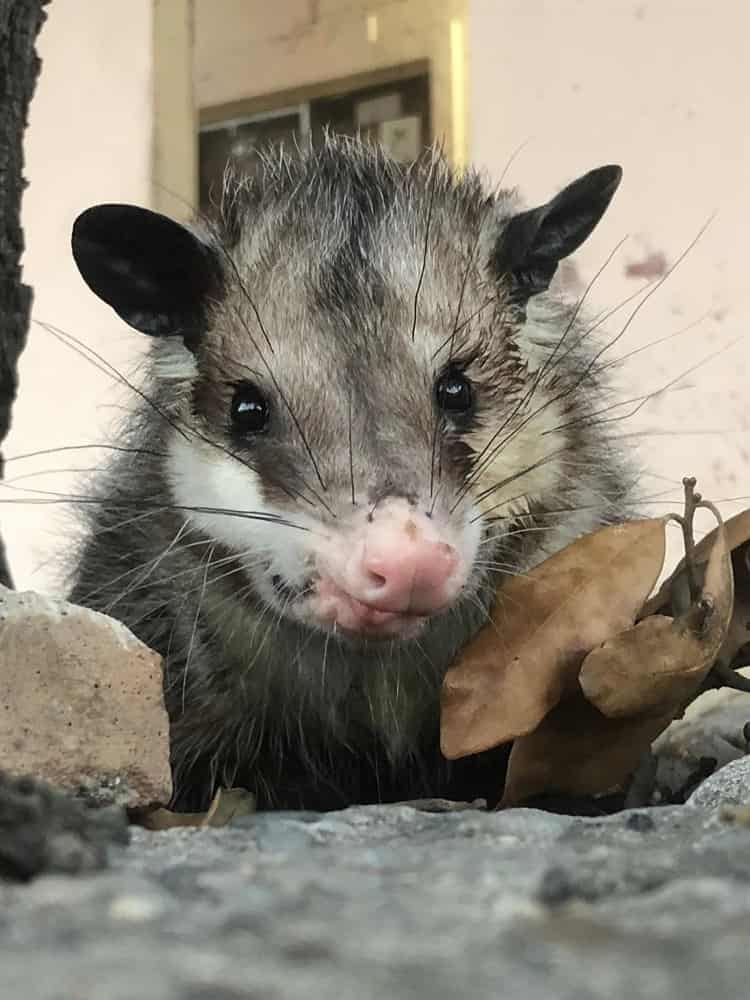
[335, 607]
[323, 603]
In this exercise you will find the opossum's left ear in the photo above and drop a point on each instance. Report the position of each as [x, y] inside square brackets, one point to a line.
[155, 273]
[532, 243]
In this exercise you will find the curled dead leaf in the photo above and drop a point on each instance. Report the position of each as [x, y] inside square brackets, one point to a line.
[543, 624]
[656, 666]
[226, 805]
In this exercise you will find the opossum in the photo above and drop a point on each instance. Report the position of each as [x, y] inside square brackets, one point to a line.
[363, 409]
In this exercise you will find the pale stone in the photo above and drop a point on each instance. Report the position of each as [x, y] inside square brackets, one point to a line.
[81, 703]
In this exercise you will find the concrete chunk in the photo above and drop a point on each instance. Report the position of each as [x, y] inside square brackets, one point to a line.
[81, 703]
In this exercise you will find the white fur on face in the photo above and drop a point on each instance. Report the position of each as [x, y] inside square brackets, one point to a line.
[201, 476]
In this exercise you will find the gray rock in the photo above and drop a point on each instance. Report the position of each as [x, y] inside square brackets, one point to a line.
[45, 830]
[399, 902]
[711, 734]
[729, 786]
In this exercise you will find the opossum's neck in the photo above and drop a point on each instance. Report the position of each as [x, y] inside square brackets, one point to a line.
[243, 658]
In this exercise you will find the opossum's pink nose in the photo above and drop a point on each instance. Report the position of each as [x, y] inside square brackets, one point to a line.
[388, 574]
[398, 573]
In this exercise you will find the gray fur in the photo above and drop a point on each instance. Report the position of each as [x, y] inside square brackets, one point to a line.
[330, 250]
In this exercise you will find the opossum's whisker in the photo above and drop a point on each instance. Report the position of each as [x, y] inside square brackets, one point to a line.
[83, 447]
[247, 296]
[593, 362]
[294, 418]
[510, 161]
[193, 634]
[654, 343]
[640, 400]
[517, 475]
[484, 612]
[149, 570]
[223, 561]
[580, 379]
[435, 436]
[428, 225]
[351, 453]
[148, 564]
[51, 497]
[510, 479]
[554, 512]
[135, 519]
[544, 368]
[654, 288]
[464, 282]
[241, 568]
[605, 314]
[101, 364]
[462, 292]
[325, 662]
[12, 480]
[515, 514]
[104, 366]
[697, 432]
[509, 569]
[493, 299]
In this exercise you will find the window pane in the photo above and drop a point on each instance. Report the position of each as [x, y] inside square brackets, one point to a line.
[240, 142]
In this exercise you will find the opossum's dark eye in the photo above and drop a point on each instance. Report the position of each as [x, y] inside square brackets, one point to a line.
[454, 393]
[249, 409]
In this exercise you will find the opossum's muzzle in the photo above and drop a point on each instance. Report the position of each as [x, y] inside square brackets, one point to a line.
[388, 573]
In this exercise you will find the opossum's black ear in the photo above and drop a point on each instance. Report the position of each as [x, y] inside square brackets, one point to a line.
[155, 274]
[532, 243]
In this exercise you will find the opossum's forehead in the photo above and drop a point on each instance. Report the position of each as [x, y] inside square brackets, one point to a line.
[344, 289]
[367, 293]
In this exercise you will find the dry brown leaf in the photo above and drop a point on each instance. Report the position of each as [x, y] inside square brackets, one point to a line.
[226, 804]
[543, 624]
[578, 751]
[641, 679]
[638, 670]
[648, 670]
[160, 818]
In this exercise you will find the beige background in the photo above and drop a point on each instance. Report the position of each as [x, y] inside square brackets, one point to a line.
[658, 87]
[89, 140]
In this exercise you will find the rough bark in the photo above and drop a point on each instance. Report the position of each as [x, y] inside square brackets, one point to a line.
[20, 21]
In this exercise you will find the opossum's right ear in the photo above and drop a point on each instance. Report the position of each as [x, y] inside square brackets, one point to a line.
[155, 273]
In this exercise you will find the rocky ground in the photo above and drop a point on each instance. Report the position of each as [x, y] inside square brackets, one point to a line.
[396, 902]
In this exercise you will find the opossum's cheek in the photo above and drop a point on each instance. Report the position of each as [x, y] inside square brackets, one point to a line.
[388, 574]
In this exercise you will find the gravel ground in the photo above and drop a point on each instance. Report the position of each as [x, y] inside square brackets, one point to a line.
[394, 902]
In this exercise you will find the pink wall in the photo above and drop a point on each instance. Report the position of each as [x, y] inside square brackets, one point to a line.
[661, 88]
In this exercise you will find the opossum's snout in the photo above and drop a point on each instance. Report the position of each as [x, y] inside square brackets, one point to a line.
[389, 573]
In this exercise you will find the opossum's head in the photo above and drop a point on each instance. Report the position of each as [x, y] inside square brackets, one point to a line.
[346, 363]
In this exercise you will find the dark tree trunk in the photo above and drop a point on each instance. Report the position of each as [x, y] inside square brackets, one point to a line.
[20, 21]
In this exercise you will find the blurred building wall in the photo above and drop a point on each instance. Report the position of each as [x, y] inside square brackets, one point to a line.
[89, 140]
[658, 87]
[247, 48]
[661, 88]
